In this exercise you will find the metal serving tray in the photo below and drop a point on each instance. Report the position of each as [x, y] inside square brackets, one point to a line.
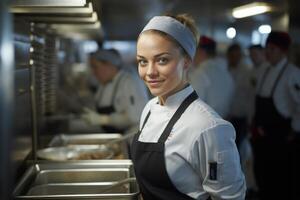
[101, 179]
[120, 148]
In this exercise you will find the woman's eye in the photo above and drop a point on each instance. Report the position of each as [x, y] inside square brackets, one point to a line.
[142, 62]
[163, 61]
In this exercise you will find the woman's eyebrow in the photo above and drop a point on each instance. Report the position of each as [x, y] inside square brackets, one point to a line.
[160, 54]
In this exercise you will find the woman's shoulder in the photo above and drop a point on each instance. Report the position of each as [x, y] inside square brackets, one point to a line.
[202, 117]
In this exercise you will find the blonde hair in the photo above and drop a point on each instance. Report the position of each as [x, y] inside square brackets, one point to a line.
[188, 22]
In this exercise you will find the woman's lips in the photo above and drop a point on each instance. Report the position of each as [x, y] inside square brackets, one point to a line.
[154, 83]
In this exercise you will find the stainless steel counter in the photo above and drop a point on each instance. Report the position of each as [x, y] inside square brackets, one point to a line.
[103, 179]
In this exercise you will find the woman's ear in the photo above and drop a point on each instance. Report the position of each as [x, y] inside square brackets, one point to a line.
[187, 62]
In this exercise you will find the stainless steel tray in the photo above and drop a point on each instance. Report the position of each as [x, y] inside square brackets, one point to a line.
[119, 149]
[79, 180]
[76, 152]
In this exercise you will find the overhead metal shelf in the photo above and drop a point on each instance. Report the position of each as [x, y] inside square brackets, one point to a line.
[90, 35]
[57, 10]
[48, 3]
[72, 27]
[84, 31]
[68, 18]
[62, 20]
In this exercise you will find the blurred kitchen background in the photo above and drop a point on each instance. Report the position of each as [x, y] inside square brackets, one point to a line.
[44, 71]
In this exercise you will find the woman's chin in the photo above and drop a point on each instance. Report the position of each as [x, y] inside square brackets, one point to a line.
[156, 91]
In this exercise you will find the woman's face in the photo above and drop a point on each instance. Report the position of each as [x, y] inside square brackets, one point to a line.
[161, 64]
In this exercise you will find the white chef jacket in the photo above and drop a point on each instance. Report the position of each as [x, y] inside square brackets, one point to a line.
[130, 99]
[256, 73]
[198, 138]
[287, 93]
[243, 94]
[214, 85]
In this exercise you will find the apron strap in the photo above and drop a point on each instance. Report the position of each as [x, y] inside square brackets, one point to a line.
[185, 104]
[146, 119]
[276, 81]
[279, 77]
[263, 79]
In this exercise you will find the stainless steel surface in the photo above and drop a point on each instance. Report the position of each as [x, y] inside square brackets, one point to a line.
[66, 11]
[121, 183]
[63, 20]
[82, 31]
[49, 3]
[118, 187]
[33, 95]
[76, 152]
[44, 66]
[119, 146]
[22, 141]
[22, 132]
[81, 175]
[6, 99]
[94, 138]
[107, 179]
[122, 138]
[64, 27]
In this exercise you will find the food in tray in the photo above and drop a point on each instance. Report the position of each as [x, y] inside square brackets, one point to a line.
[91, 156]
[75, 152]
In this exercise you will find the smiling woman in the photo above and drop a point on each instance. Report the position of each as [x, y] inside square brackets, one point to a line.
[184, 150]
[164, 69]
[162, 60]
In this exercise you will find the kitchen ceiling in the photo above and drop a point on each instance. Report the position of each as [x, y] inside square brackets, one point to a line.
[123, 19]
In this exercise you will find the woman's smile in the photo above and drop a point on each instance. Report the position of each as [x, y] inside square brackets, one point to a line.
[154, 83]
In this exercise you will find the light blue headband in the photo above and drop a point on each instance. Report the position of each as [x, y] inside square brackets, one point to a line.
[176, 30]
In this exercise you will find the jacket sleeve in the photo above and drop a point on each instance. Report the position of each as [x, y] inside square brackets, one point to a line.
[294, 91]
[217, 162]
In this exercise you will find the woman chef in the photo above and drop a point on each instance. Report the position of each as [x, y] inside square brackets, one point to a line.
[183, 150]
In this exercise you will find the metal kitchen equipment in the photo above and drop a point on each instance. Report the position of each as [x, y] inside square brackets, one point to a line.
[75, 152]
[114, 141]
[41, 30]
[107, 179]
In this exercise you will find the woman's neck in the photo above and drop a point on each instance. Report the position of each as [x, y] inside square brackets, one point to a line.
[162, 99]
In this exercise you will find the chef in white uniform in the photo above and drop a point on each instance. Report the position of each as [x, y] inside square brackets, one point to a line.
[276, 120]
[120, 97]
[211, 79]
[184, 149]
[240, 109]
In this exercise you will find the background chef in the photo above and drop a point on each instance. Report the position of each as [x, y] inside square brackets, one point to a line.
[120, 98]
[277, 121]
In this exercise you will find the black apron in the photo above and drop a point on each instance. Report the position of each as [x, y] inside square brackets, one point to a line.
[149, 162]
[266, 115]
[110, 109]
[271, 150]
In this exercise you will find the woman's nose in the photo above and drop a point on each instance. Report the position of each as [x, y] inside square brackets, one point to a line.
[151, 71]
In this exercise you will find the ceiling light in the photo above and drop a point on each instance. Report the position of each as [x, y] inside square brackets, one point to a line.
[250, 10]
[265, 29]
[231, 33]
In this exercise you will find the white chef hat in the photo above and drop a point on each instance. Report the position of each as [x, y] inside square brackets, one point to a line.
[108, 55]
